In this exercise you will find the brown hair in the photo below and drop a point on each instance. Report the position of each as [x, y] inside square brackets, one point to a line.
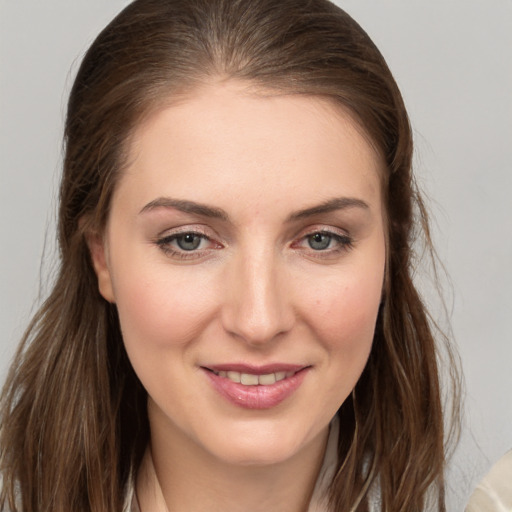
[74, 420]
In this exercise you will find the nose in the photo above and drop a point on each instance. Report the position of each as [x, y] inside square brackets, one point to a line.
[258, 305]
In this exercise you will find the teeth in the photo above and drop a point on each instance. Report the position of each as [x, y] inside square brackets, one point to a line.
[280, 375]
[234, 376]
[267, 379]
[249, 379]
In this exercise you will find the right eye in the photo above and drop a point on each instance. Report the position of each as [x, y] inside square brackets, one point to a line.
[186, 244]
[188, 241]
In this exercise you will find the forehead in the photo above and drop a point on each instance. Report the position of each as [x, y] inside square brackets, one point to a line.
[229, 137]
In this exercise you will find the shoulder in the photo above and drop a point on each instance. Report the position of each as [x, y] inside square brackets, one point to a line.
[494, 492]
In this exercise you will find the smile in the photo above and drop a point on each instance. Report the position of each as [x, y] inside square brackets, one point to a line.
[256, 387]
[250, 379]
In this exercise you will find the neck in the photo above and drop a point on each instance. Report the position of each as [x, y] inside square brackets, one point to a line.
[177, 475]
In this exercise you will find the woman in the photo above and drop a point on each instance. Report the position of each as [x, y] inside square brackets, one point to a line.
[234, 325]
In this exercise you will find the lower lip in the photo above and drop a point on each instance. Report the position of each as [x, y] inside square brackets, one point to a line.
[260, 396]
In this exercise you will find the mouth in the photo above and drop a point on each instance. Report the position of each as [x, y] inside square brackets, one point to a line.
[252, 379]
[256, 387]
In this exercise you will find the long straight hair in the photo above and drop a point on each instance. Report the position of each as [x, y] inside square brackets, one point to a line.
[74, 419]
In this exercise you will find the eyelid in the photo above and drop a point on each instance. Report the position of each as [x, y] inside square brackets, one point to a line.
[322, 228]
[181, 230]
[345, 241]
[164, 239]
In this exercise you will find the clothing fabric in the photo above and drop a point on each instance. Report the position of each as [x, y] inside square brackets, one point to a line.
[494, 492]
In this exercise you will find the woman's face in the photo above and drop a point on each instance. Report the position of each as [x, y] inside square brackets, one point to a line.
[245, 252]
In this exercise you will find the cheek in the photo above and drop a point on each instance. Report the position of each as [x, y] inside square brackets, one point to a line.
[345, 311]
[163, 310]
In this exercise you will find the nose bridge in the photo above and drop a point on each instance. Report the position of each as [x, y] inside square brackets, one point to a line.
[258, 307]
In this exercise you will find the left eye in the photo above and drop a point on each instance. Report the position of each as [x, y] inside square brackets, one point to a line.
[189, 241]
[319, 241]
[326, 241]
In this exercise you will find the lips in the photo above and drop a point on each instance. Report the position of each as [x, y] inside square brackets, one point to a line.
[252, 387]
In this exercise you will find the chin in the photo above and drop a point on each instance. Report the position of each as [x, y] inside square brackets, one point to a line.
[259, 444]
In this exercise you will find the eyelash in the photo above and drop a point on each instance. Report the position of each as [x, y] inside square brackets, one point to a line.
[343, 243]
[165, 242]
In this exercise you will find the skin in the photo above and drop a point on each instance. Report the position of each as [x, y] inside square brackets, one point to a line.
[254, 291]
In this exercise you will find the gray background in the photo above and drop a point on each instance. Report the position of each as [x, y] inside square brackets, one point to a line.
[452, 60]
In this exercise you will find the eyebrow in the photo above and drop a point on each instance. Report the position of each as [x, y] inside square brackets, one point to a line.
[337, 203]
[186, 207]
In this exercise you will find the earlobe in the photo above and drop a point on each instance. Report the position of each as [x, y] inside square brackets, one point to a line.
[98, 251]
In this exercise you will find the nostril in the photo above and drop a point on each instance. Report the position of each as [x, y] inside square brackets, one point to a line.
[257, 308]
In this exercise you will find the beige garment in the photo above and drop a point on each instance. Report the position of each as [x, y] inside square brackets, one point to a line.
[494, 492]
[318, 500]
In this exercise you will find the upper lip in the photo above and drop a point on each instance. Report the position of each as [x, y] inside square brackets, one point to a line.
[255, 369]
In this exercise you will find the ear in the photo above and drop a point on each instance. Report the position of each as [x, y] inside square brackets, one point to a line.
[99, 257]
